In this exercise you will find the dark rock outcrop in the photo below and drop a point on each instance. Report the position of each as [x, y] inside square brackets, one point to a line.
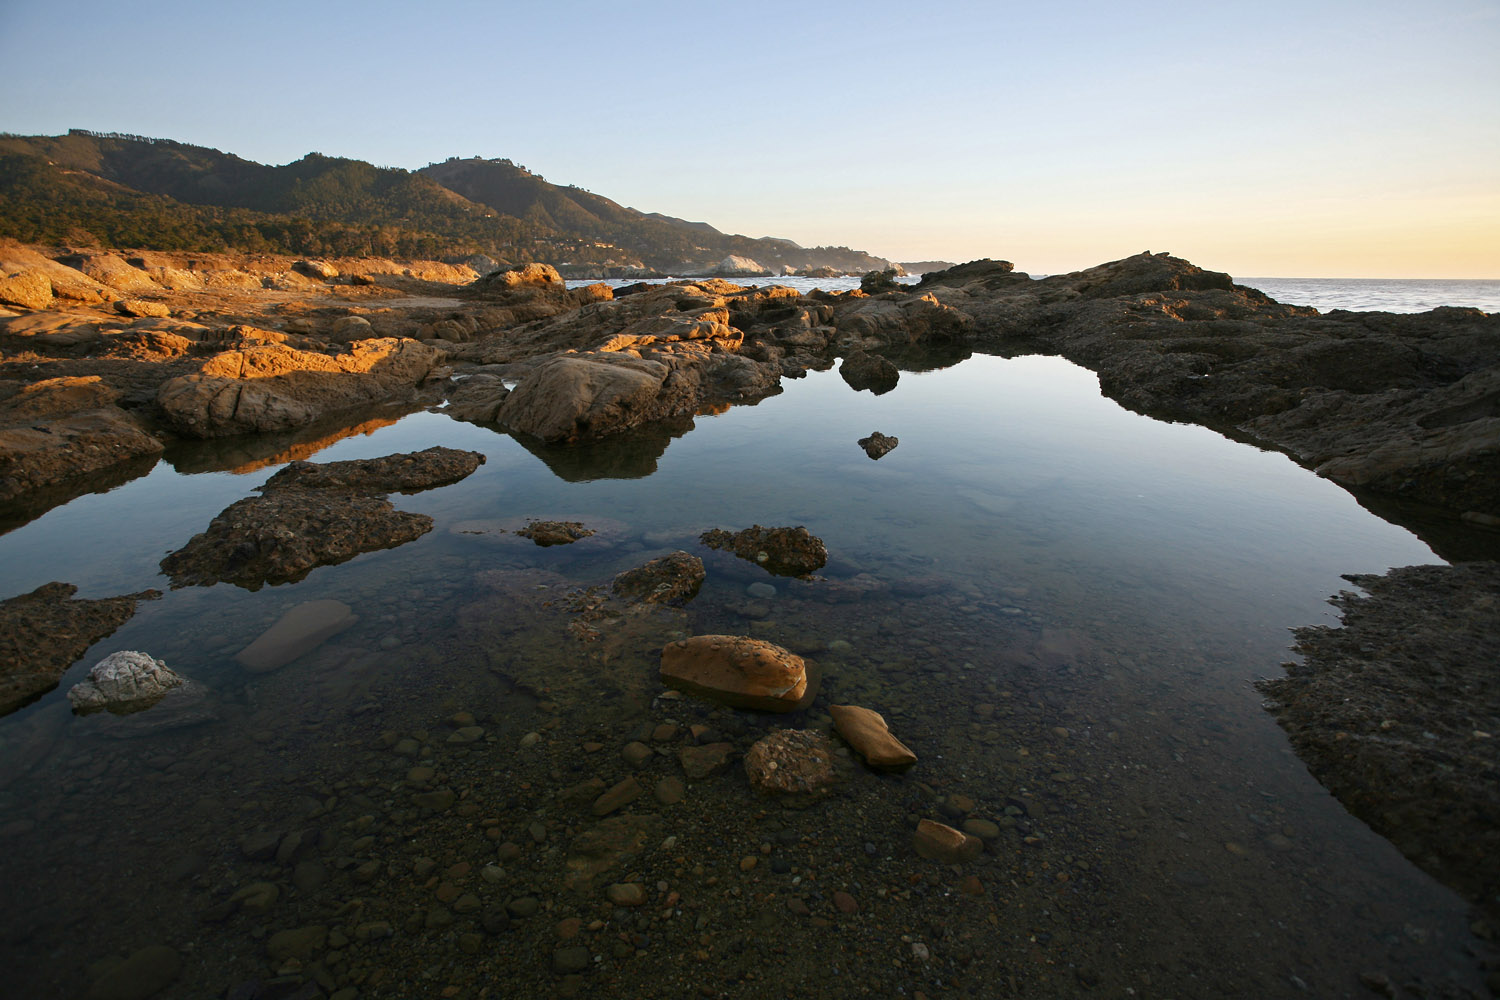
[44, 632]
[869, 371]
[312, 515]
[1398, 714]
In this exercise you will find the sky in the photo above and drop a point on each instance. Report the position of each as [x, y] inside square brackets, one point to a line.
[1295, 139]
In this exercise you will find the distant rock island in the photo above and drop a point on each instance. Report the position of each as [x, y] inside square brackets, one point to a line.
[94, 189]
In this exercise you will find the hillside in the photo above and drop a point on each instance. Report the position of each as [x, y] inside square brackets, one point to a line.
[131, 191]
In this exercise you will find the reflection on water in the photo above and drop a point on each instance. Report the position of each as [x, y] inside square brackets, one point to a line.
[1060, 606]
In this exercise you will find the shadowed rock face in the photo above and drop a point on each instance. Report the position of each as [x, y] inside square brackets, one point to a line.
[44, 632]
[312, 515]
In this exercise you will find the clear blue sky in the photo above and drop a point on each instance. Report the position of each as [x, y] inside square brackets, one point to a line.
[1300, 138]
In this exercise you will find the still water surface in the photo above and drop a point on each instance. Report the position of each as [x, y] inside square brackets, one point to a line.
[1060, 605]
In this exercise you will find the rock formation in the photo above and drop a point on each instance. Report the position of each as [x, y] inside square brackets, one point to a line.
[878, 445]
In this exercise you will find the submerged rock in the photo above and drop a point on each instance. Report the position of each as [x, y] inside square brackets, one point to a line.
[44, 632]
[792, 763]
[940, 842]
[878, 445]
[783, 551]
[123, 682]
[295, 634]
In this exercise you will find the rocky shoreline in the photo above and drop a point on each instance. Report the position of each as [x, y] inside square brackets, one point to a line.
[110, 359]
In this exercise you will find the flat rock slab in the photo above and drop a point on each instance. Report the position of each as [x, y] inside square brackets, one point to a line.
[409, 472]
[297, 633]
[44, 632]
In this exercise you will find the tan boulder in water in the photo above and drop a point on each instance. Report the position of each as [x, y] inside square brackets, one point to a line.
[737, 671]
[866, 731]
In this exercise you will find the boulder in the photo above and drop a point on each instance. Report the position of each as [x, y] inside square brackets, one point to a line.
[738, 671]
[112, 271]
[579, 396]
[295, 634]
[782, 551]
[346, 329]
[529, 276]
[866, 731]
[939, 842]
[875, 282]
[25, 289]
[878, 445]
[44, 632]
[869, 371]
[673, 580]
[796, 763]
[123, 682]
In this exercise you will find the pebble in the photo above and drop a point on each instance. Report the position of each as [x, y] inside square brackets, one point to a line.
[845, 903]
[467, 734]
[636, 753]
[762, 590]
[523, 907]
[572, 959]
[620, 795]
[531, 739]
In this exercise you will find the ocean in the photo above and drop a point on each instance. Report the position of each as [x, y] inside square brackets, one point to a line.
[1397, 295]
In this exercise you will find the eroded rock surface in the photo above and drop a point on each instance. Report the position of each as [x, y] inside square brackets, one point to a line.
[672, 579]
[878, 445]
[311, 515]
[44, 632]
[793, 763]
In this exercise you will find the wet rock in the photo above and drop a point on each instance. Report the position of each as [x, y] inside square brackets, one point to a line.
[783, 551]
[627, 894]
[144, 974]
[617, 797]
[878, 445]
[939, 842]
[571, 960]
[795, 763]
[866, 731]
[42, 633]
[297, 633]
[699, 762]
[546, 533]
[582, 396]
[869, 371]
[609, 844]
[312, 515]
[737, 671]
[123, 682]
[670, 791]
[672, 580]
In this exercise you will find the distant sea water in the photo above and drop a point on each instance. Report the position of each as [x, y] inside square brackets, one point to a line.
[1397, 295]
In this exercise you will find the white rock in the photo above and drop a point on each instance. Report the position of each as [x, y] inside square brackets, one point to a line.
[127, 679]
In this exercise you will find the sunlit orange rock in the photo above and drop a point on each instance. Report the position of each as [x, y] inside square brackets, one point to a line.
[737, 671]
[866, 731]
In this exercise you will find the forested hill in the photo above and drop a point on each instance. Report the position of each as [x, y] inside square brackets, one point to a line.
[129, 191]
